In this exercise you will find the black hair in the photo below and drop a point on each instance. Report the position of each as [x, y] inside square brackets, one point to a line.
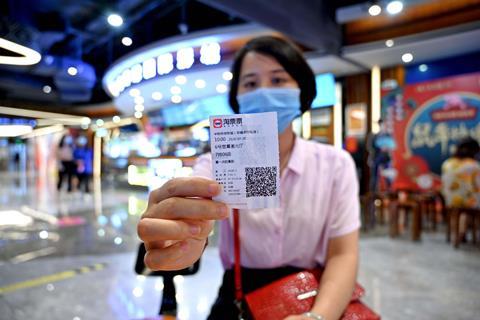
[288, 56]
[467, 148]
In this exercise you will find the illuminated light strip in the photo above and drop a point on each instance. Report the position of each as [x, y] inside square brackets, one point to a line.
[52, 278]
[97, 156]
[39, 215]
[14, 130]
[307, 125]
[337, 117]
[30, 56]
[41, 114]
[376, 102]
[202, 124]
[44, 131]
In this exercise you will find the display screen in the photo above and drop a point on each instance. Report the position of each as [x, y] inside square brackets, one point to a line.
[191, 113]
[325, 90]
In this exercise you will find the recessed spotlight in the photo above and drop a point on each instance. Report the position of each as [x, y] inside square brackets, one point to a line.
[127, 41]
[176, 99]
[389, 43]
[407, 57]
[84, 126]
[116, 119]
[181, 79]
[134, 92]
[99, 122]
[72, 71]
[200, 84]
[175, 90]
[227, 76]
[139, 107]
[375, 10]
[395, 7]
[157, 96]
[115, 20]
[139, 100]
[47, 89]
[423, 68]
[138, 114]
[221, 88]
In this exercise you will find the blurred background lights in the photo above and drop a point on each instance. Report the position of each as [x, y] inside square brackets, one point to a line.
[375, 10]
[157, 96]
[115, 20]
[200, 84]
[395, 7]
[127, 41]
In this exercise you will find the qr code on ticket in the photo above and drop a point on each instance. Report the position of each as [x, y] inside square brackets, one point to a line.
[261, 181]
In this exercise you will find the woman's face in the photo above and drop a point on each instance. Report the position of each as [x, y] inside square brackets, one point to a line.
[262, 71]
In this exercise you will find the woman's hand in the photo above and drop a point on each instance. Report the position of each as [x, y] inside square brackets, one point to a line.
[179, 217]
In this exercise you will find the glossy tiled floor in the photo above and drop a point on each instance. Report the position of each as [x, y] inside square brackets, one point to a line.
[44, 235]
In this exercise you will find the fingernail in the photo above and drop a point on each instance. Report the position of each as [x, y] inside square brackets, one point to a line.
[222, 211]
[194, 229]
[213, 188]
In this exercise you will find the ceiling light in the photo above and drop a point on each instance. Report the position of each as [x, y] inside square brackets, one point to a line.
[84, 126]
[100, 122]
[72, 71]
[389, 43]
[221, 88]
[181, 79]
[139, 107]
[375, 10]
[407, 57]
[14, 130]
[175, 90]
[47, 89]
[127, 41]
[139, 100]
[227, 76]
[116, 119]
[28, 56]
[43, 234]
[115, 20]
[395, 7]
[134, 92]
[138, 114]
[176, 99]
[200, 84]
[423, 68]
[86, 120]
[157, 96]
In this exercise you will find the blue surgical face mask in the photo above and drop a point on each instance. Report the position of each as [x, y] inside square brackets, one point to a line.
[284, 101]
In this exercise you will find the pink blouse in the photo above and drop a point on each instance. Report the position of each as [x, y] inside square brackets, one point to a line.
[319, 201]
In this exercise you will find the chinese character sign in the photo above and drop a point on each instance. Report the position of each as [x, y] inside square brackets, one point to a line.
[427, 120]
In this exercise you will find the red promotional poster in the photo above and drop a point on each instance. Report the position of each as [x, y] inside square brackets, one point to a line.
[427, 119]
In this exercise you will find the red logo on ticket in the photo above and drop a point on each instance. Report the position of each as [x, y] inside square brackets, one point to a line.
[217, 123]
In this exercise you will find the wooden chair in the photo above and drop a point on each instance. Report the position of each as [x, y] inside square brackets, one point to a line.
[405, 202]
[453, 223]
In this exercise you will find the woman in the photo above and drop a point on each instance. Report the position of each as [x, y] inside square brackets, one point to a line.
[461, 179]
[318, 222]
[67, 166]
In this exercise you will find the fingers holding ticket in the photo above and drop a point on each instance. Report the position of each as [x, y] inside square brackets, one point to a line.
[179, 217]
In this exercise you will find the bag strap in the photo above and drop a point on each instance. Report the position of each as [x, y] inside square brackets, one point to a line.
[237, 269]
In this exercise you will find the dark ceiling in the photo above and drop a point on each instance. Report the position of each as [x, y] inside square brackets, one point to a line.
[76, 31]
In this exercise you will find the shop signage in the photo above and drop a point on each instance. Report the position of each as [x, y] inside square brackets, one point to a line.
[428, 119]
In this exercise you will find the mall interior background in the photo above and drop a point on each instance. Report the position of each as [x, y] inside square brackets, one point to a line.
[139, 80]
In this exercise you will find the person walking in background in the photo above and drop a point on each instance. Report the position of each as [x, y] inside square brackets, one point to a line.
[380, 146]
[83, 156]
[461, 179]
[67, 165]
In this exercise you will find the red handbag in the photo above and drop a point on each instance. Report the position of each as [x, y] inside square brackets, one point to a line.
[293, 294]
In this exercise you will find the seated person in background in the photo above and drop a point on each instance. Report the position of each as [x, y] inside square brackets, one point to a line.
[461, 179]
